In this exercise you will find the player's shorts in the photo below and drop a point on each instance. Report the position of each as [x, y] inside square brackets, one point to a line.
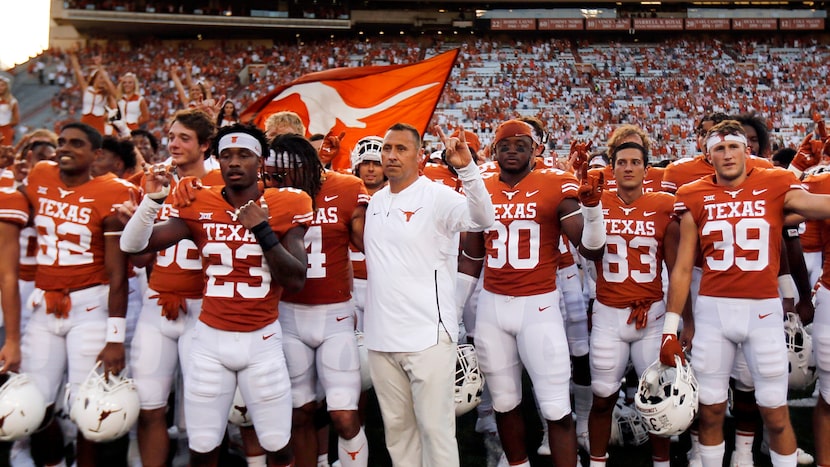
[821, 341]
[319, 344]
[574, 309]
[757, 325]
[52, 346]
[156, 349]
[512, 332]
[221, 360]
[613, 341]
[359, 301]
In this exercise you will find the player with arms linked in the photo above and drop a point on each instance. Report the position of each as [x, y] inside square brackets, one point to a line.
[252, 246]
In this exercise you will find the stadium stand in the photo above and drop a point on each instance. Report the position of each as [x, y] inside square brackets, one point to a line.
[580, 88]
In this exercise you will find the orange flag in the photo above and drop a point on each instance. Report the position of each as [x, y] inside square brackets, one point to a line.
[363, 101]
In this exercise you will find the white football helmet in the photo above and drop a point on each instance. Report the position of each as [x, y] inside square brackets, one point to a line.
[238, 414]
[626, 427]
[667, 398]
[469, 382]
[103, 409]
[363, 355]
[22, 407]
[802, 368]
[367, 149]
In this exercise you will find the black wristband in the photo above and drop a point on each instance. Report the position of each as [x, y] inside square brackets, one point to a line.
[265, 235]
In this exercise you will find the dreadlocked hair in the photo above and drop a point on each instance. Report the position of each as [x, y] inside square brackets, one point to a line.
[295, 152]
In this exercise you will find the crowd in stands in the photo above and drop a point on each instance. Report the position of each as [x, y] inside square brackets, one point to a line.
[581, 89]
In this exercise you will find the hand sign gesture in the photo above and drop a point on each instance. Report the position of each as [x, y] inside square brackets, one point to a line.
[590, 191]
[579, 154]
[457, 153]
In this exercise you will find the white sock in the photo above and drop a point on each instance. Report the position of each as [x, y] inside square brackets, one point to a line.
[660, 463]
[353, 452]
[583, 398]
[743, 442]
[525, 463]
[323, 460]
[695, 438]
[598, 461]
[712, 456]
[781, 460]
[257, 461]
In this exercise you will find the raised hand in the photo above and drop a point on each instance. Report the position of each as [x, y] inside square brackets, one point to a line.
[330, 147]
[157, 179]
[579, 153]
[809, 153]
[185, 191]
[457, 153]
[590, 192]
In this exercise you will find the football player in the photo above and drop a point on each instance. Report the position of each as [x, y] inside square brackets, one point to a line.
[173, 298]
[318, 322]
[820, 183]
[734, 219]
[641, 231]
[519, 322]
[80, 300]
[251, 243]
[14, 214]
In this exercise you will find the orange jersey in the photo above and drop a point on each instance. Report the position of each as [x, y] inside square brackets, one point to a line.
[14, 209]
[654, 179]
[178, 269]
[820, 184]
[28, 253]
[328, 279]
[239, 294]
[740, 231]
[610, 183]
[442, 174]
[489, 167]
[6, 178]
[811, 239]
[630, 269]
[683, 171]
[69, 223]
[11, 210]
[523, 244]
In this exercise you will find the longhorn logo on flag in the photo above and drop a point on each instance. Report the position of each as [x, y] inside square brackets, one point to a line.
[362, 101]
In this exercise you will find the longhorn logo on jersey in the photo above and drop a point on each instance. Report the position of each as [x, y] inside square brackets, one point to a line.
[409, 214]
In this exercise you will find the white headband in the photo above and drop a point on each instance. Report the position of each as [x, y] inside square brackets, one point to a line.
[283, 160]
[717, 138]
[597, 160]
[240, 140]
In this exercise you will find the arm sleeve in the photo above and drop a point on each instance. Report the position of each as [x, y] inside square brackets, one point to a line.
[136, 235]
[479, 213]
